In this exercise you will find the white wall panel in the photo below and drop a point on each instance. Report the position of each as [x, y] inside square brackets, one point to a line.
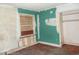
[8, 18]
[71, 17]
[71, 32]
[68, 7]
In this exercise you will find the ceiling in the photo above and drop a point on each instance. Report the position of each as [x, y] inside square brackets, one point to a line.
[35, 6]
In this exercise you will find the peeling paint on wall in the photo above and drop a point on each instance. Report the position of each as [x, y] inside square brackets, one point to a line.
[48, 33]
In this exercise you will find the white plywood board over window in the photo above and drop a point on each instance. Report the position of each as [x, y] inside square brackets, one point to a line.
[51, 22]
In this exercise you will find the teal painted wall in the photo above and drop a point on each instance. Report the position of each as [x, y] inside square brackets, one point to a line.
[20, 10]
[48, 33]
[25, 11]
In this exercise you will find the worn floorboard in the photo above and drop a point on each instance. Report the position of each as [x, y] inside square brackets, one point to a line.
[41, 49]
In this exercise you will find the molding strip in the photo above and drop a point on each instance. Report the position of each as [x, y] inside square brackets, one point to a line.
[51, 44]
[71, 20]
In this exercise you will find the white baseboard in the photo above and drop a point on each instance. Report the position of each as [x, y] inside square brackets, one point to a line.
[51, 44]
[20, 48]
[70, 43]
[14, 50]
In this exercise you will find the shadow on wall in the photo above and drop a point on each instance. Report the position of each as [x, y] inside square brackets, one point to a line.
[4, 38]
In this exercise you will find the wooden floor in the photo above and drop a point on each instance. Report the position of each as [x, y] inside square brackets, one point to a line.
[41, 49]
